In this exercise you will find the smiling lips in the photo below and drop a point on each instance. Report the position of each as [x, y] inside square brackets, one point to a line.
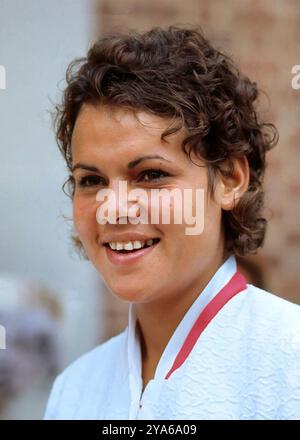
[131, 245]
[129, 252]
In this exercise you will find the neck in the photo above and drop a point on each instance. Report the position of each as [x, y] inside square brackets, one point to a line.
[157, 321]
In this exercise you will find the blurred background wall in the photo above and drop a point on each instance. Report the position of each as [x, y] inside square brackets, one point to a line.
[39, 272]
[37, 41]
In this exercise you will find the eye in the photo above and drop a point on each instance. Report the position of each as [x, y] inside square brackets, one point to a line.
[88, 181]
[153, 175]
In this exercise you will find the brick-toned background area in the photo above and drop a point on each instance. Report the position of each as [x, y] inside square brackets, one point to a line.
[263, 36]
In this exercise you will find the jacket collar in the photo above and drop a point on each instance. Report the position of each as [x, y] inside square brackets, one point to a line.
[216, 283]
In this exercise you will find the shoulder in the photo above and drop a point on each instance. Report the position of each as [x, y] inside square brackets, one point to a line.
[86, 372]
[266, 319]
[274, 344]
[272, 308]
[263, 319]
[108, 350]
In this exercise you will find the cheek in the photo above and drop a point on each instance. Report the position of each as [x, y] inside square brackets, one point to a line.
[187, 250]
[212, 219]
[166, 208]
[84, 217]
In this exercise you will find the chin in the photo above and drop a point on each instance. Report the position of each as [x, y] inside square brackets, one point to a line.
[129, 292]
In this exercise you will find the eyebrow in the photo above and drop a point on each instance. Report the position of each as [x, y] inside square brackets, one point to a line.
[130, 165]
[135, 162]
[84, 167]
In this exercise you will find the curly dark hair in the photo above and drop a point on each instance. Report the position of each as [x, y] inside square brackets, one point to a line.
[177, 73]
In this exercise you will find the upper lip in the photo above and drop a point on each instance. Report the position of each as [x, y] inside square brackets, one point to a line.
[125, 237]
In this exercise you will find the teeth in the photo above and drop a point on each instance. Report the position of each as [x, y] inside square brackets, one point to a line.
[137, 244]
[130, 245]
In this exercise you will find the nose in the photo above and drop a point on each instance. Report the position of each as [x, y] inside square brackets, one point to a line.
[123, 204]
[118, 204]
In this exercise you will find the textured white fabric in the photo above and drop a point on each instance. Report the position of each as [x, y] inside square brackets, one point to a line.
[245, 365]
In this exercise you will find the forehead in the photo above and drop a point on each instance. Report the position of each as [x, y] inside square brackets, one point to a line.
[110, 130]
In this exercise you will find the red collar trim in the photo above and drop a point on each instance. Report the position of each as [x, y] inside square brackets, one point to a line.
[235, 285]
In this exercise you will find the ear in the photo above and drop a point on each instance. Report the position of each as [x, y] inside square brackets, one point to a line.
[233, 186]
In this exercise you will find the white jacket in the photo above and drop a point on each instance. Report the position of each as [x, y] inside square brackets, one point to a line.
[245, 364]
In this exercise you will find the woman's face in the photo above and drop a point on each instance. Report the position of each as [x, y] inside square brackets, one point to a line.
[105, 140]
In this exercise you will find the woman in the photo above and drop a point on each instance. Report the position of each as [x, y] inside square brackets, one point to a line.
[164, 110]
